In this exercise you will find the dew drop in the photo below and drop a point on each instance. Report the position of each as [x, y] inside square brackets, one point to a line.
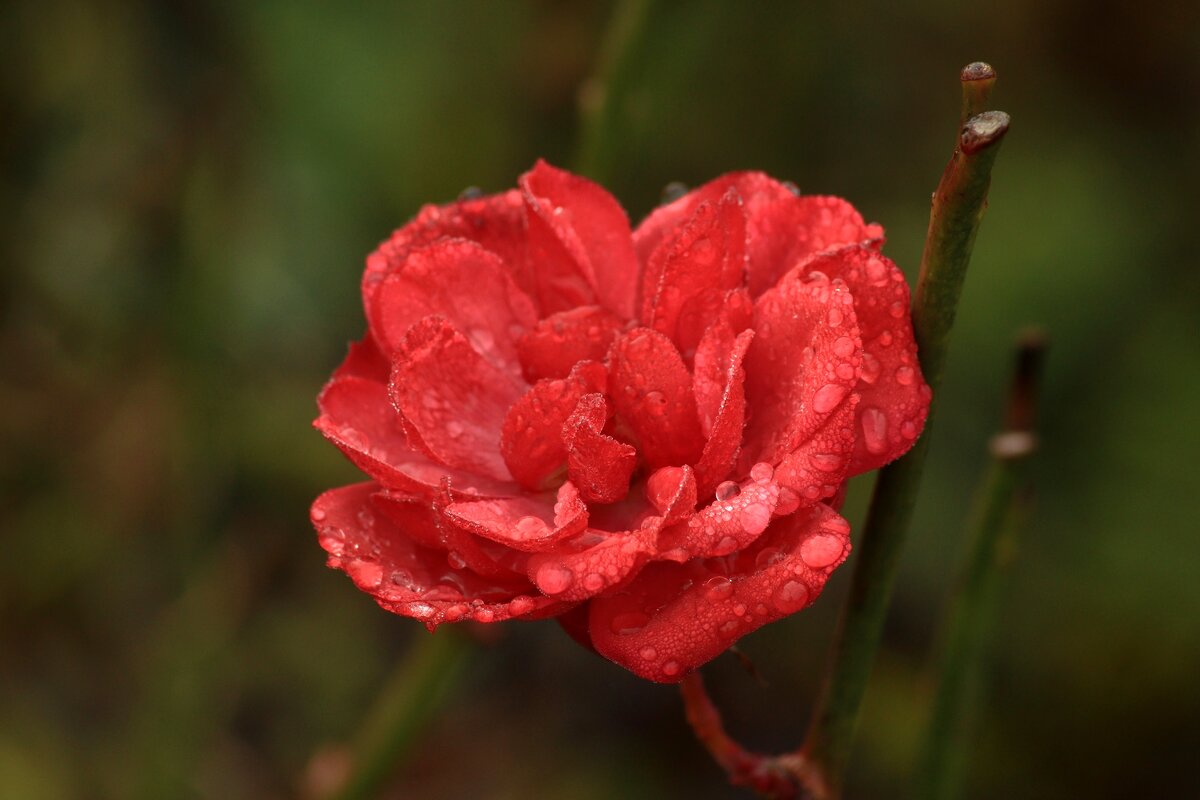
[821, 550]
[628, 623]
[726, 546]
[870, 368]
[790, 597]
[366, 574]
[789, 501]
[754, 518]
[530, 527]
[456, 612]
[844, 347]
[766, 557]
[885, 339]
[420, 610]
[521, 604]
[845, 371]
[835, 317]
[905, 375]
[908, 430]
[484, 615]
[671, 668]
[553, 578]
[455, 559]
[874, 426]
[762, 472]
[593, 582]
[648, 653]
[897, 309]
[827, 397]
[718, 588]
[656, 403]
[727, 491]
[318, 514]
[739, 609]
[826, 462]
[728, 627]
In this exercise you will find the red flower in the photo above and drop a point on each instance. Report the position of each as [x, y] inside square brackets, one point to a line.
[643, 433]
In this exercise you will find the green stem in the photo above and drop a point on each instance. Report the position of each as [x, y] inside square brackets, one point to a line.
[414, 693]
[601, 99]
[994, 525]
[958, 207]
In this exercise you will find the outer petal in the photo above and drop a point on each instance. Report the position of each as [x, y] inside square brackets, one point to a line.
[469, 286]
[452, 398]
[528, 524]
[598, 464]
[357, 416]
[496, 222]
[594, 563]
[782, 227]
[560, 341]
[532, 437]
[672, 618]
[570, 215]
[408, 579]
[690, 272]
[895, 398]
[652, 391]
[803, 364]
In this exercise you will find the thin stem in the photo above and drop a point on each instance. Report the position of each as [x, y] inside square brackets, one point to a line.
[995, 523]
[414, 693]
[601, 99]
[958, 207]
[978, 79]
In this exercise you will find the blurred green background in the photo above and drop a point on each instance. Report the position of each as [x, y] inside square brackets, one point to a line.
[188, 192]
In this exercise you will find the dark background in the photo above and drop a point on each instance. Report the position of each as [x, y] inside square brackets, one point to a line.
[188, 192]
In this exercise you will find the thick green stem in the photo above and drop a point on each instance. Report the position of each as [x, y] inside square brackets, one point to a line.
[973, 606]
[958, 207]
[414, 693]
[602, 98]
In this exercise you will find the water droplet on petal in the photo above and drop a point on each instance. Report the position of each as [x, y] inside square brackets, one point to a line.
[530, 528]
[484, 615]
[420, 610]
[455, 559]
[671, 668]
[367, 574]
[755, 517]
[762, 472]
[553, 578]
[728, 627]
[726, 546]
[885, 339]
[727, 491]
[789, 501]
[455, 612]
[318, 514]
[648, 653]
[593, 582]
[521, 604]
[821, 550]
[874, 427]
[908, 430]
[718, 588]
[766, 557]
[897, 309]
[827, 397]
[628, 623]
[905, 375]
[844, 347]
[790, 597]
[835, 317]
[656, 403]
[826, 462]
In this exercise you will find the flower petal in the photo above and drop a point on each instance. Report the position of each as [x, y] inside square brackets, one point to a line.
[594, 562]
[803, 364]
[574, 217]
[357, 416]
[652, 391]
[738, 516]
[598, 464]
[407, 578]
[531, 439]
[672, 618]
[690, 272]
[719, 364]
[469, 286]
[895, 398]
[452, 398]
[559, 342]
[527, 524]
[497, 222]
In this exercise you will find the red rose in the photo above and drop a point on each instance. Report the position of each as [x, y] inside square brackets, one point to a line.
[643, 433]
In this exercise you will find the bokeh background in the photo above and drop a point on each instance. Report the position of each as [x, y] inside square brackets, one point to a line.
[188, 192]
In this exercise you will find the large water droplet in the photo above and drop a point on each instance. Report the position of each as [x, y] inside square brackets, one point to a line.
[648, 653]
[593, 582]
[821, 550]
[755, 517]
[553, 578]
[718, 588]
[790, 597]
[826, 462]
[762, 472]
[827, 397]
[844, 347]
[318, 514]
[766, 557]
[874, 427]
[905, 375]
[530, 528]
[628, 623]
[671, 669]
[727, 491]
[484, 615]
[367, 574]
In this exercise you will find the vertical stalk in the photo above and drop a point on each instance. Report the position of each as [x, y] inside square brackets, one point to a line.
[972, 607]
[958, 207]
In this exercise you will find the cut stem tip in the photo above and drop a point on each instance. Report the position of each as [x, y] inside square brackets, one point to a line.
[983, 130]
